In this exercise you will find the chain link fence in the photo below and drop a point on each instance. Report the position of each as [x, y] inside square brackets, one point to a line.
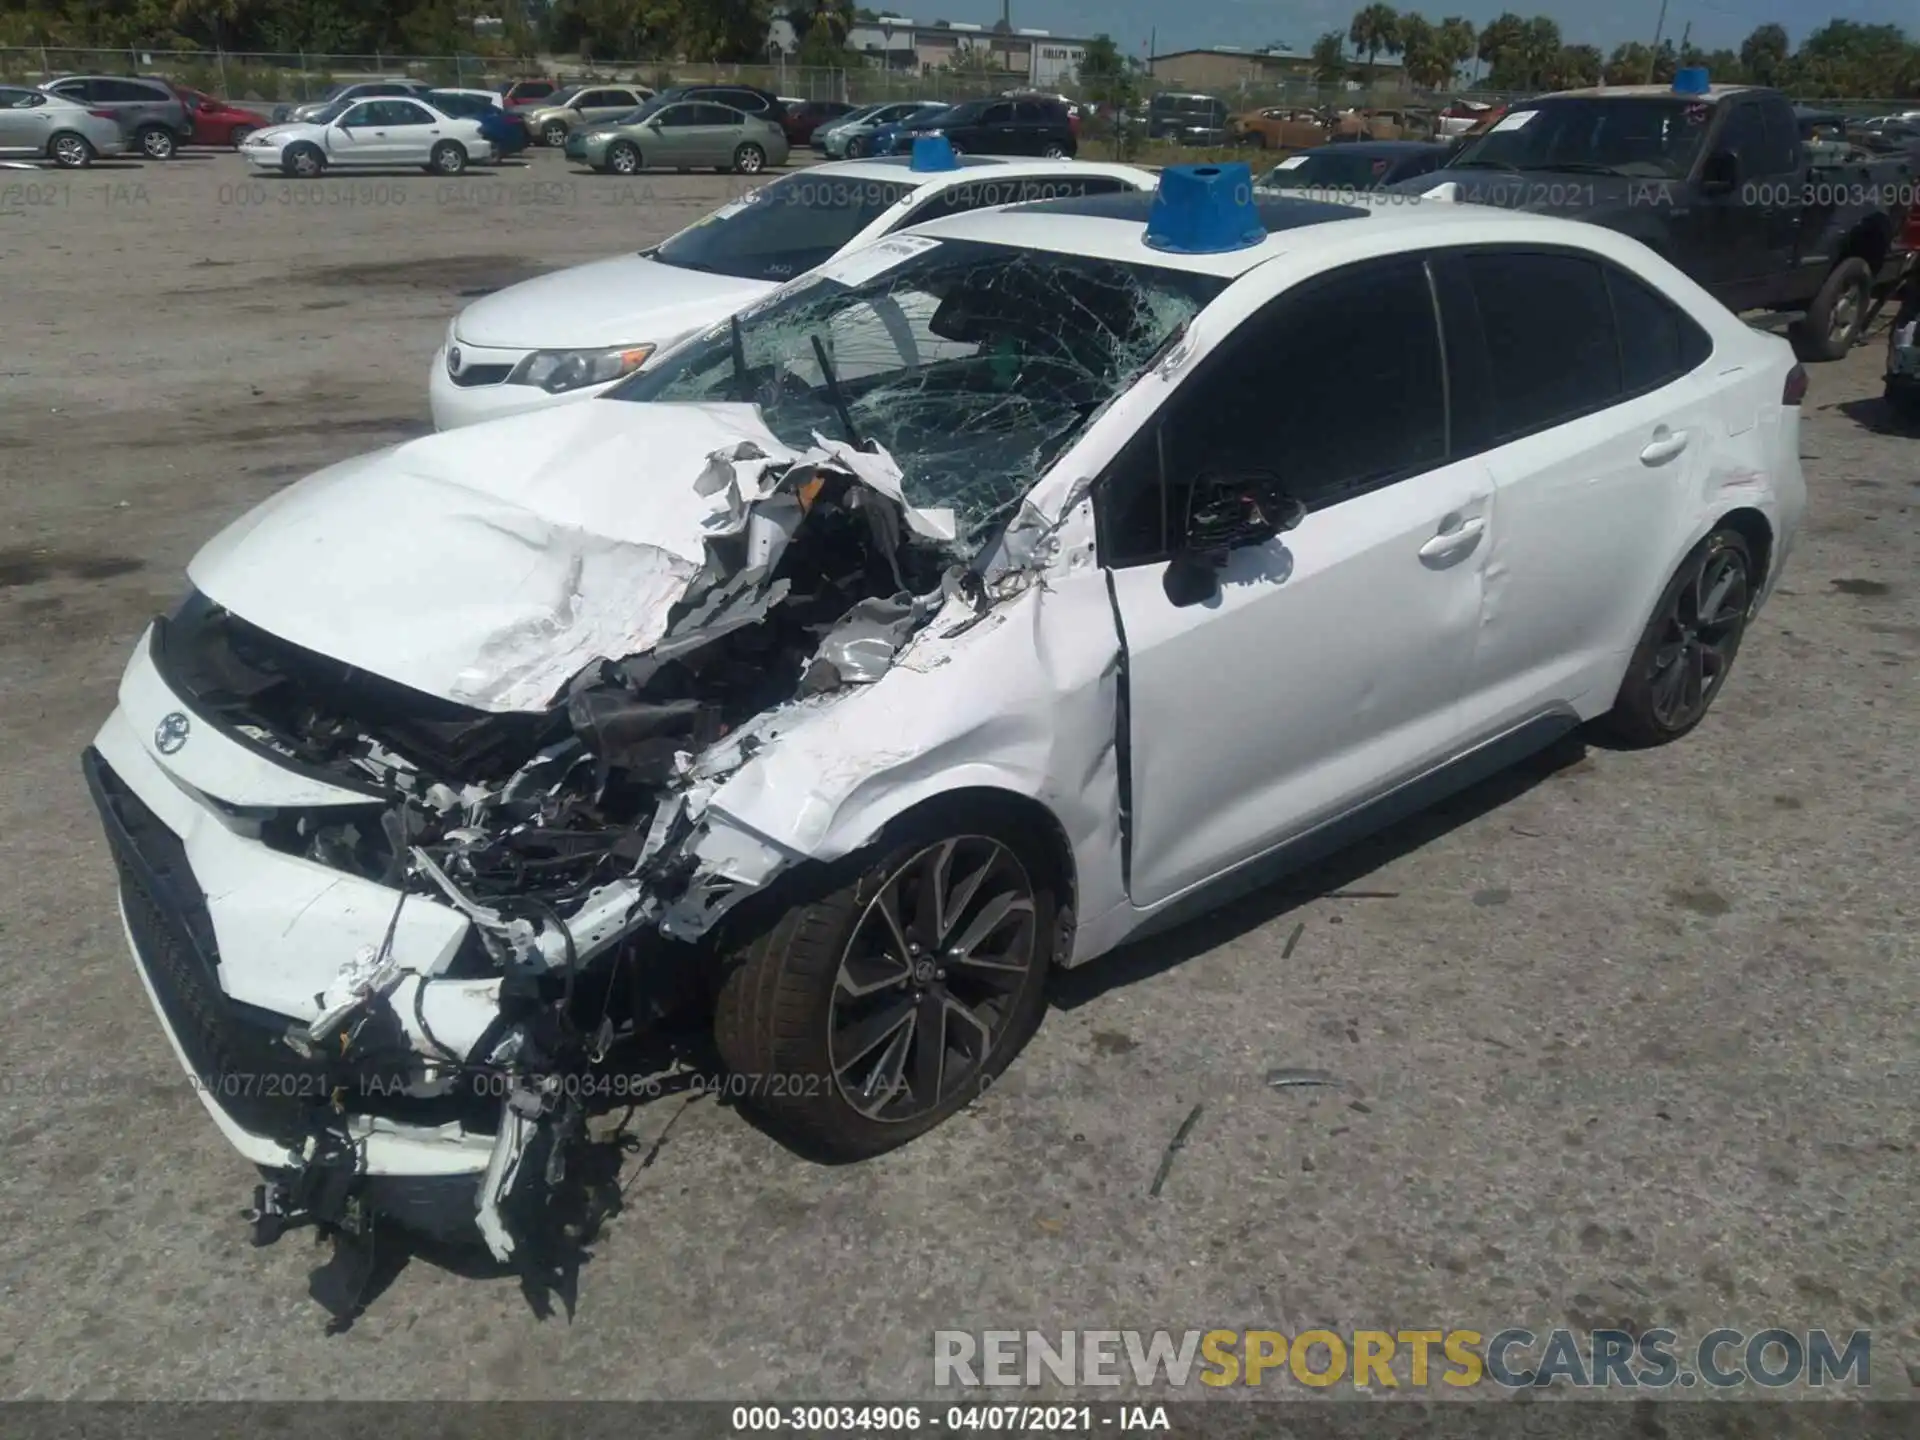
[292, 77]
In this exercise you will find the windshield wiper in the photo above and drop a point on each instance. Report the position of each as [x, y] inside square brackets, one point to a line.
[1581, 167]
[833, 393]
[1484, 165]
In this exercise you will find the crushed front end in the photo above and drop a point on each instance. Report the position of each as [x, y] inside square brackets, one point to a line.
[389, 934]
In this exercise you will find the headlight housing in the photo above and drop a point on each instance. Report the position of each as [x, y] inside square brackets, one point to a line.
[558, 371]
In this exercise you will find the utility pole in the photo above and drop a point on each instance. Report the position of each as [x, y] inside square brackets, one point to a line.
[1654, 54]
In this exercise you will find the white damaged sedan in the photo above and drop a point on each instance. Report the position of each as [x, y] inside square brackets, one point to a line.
[385, 134]
[955, 613]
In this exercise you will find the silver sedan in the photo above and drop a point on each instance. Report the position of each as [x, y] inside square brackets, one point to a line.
[41, 126]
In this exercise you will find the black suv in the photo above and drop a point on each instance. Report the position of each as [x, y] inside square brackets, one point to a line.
[1001, 127]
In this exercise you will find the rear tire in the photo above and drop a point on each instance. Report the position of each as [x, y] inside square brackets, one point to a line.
[449, 158]
[1687, 650]
[70, 151]
[851, 1025]
[749, 160]
[1834, 320]
[156, 142]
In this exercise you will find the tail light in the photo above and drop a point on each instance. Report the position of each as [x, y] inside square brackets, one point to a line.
[1796, 387]
[103, 114]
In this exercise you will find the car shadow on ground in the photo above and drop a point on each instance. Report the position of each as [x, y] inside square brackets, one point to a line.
[1337, 874]
[1874, 413]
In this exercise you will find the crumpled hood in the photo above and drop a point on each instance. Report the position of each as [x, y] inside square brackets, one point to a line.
[488, 565]
[628, 300]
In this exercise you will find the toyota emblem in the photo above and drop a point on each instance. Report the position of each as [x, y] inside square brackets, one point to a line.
[453, 360]
[171, 733]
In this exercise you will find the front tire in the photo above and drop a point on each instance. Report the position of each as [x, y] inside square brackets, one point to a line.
[1055, 151]
[1834, 320]
[449, 158]
[238, 135]
[555, 134]
[303, 162]
[749, 160]
[70, 152]
[157, 142]
[623, 158]
[1686, 651]
[859, 1019]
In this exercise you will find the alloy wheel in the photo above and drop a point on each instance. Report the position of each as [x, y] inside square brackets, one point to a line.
[69, 151]
[1845, 315]
[1701, 634]
[930, 976]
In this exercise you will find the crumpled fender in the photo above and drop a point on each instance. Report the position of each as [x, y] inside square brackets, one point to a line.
[1024, 700]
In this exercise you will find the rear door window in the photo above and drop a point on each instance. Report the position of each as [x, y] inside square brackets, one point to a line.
[1548, 321]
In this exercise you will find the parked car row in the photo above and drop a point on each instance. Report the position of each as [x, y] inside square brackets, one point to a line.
[879, 613]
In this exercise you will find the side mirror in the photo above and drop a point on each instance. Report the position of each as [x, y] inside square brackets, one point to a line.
[1721, 174]
[1229, 514]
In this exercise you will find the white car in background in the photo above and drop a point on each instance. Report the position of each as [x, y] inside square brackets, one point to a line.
[392, 133]
[990, 596]
[570, 335]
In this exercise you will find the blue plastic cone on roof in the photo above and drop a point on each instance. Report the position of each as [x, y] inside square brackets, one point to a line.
[1691, 81]
[934, 152]
[1204, 210]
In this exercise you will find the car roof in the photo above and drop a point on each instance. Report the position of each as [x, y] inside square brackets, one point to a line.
[1617, 92]
[898, 168]
[1112, 227]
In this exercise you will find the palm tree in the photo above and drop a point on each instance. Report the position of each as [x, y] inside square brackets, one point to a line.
[1501, 43]
[1455, 40]
[1330, 57]
[1374, 29]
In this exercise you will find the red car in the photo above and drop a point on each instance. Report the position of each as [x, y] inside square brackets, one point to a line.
[802, 120]
[215, 122]
[527, 94]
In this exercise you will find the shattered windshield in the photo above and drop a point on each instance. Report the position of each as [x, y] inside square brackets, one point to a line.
[972, 365]
[1654, 137]
[783, 229]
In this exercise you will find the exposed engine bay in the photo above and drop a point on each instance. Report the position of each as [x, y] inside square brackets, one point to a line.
[570, 836]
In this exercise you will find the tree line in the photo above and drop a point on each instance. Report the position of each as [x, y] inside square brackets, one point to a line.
[695, 30]
[1512, 53]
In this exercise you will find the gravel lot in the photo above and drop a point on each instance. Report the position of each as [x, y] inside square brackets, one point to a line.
[1626, 1038]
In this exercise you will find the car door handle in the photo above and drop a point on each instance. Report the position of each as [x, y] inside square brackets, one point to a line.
[1461, 537]
[1664, 446]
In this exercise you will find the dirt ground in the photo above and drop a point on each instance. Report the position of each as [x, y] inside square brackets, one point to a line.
[1624, 1038]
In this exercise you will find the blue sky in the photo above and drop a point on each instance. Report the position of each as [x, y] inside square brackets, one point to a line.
[1190, 24]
